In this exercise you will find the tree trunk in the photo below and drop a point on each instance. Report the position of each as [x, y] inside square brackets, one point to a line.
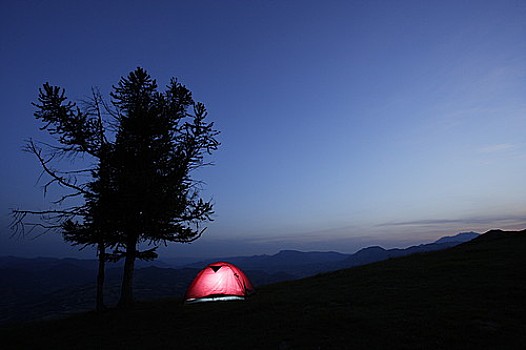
[126, 299]
[100, 278]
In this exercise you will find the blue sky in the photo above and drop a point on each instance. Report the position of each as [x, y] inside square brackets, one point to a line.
[344, 123]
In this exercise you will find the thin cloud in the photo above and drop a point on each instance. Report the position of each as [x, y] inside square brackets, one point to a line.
[489, 220]
[496, 148]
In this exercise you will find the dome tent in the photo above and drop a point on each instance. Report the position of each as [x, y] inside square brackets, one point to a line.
[219, 281]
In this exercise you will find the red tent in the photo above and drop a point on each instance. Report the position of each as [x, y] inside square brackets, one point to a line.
[219, 281]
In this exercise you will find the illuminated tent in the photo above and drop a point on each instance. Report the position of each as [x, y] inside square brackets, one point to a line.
[219, 281]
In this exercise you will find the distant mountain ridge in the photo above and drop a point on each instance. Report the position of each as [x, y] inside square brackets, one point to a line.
[458, 238]
[302, 264]
[375, 254]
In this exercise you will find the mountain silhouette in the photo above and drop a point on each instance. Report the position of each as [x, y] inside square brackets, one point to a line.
[47, 287]
[470, 296]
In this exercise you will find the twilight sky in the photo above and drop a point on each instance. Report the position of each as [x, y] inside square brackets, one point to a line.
[344, 123]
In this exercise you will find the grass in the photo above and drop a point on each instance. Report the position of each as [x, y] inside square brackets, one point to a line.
[471, 296]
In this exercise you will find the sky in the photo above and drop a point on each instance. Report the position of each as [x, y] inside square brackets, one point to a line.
[344, 124]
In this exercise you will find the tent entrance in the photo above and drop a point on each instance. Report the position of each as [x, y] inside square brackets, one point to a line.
[216, 298]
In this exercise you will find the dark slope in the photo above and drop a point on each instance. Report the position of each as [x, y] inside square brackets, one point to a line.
[470, 296]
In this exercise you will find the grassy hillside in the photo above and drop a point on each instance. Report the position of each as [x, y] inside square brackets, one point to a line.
[470, 296]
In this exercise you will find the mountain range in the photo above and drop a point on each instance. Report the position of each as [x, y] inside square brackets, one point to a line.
[470, 296]
[299, 264]
[42, 288]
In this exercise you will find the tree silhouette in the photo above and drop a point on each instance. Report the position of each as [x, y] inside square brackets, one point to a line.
[162, 138]
[141, 190]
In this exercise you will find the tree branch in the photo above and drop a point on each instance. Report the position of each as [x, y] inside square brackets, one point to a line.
[54, 218]
[33, 148]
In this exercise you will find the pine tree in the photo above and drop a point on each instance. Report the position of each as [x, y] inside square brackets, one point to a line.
[162, 137]
[141, 190]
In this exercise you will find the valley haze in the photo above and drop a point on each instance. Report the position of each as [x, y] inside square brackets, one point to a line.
[213, 246]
